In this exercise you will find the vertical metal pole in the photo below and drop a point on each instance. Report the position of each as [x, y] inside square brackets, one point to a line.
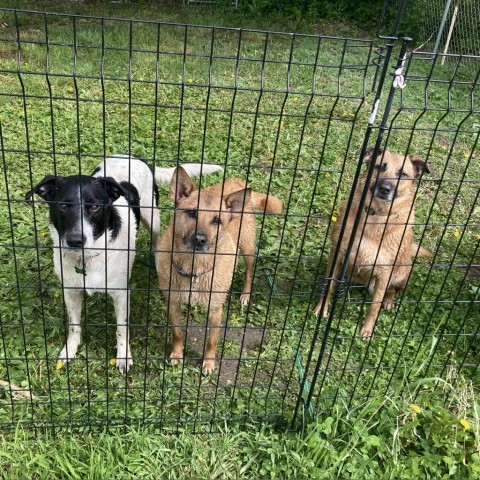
[442, 26]
[450, 31]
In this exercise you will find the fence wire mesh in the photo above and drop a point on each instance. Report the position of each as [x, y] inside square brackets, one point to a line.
[448, 26]
[286, 112]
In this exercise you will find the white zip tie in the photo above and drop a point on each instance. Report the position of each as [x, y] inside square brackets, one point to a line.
[399, 80]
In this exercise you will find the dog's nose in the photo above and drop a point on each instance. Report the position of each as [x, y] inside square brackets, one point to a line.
[385, 188]
[75, 240]
[200, 239]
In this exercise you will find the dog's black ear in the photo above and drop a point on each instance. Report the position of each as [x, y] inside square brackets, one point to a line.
[420, 167]
[181, 185]
[45, 189]
[113, 189]
[236, 201]
[369, 154]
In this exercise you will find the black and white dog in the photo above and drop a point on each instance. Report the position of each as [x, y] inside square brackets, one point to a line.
[93, 223]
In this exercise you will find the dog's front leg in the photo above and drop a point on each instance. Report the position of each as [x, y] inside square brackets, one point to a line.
[381, 284]
[247, 285]
[175, 319]
[214, 321]
[331, 287]
[73, 302]
[121, 302]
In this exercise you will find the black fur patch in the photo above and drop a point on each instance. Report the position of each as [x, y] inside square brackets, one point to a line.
[133, 199]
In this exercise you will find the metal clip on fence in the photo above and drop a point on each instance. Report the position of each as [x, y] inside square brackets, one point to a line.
[377, 60]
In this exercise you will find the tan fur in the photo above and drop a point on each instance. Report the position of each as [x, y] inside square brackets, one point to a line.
[382, 252]
[214, 268]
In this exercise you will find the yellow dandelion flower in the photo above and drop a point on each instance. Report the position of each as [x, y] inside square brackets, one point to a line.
[456, 233]
[466, 155]
[70, 90]
[334, 219]
[478, 236]
[327, 175]
[59, 365]
[44, 234]
[465, 424]
[282, 123]
[112, 362]
[190, 80]
[415, 408]
[444, 147]
[295, 99]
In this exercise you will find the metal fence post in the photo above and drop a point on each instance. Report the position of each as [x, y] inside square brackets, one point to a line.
[341, 280]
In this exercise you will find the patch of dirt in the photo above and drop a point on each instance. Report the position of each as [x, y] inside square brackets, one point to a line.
[248, 338]
[473, 272]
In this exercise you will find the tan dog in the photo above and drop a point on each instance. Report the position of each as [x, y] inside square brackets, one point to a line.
[196, 256]
[382, 252]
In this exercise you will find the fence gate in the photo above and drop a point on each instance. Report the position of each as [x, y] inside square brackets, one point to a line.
[291, 114]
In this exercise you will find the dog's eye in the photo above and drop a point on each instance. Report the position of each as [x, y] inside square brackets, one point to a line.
[191, 213]
[94, 208]
[63, 206]
[402, 174]
[216, 220]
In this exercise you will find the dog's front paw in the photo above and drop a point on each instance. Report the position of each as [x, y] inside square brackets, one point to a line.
[124, 364]
[366, 333]
[176, 357]
[245, 299]
[67, 353]
[318, 309]
[388, 304]
[208, 366]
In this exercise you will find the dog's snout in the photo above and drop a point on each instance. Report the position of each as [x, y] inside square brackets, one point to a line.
[200, 239]
[385, 190]
[75, 240]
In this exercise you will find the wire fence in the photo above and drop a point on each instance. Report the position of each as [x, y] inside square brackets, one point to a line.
[287, 113]
[448, 26]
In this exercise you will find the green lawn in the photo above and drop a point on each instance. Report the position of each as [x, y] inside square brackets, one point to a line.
[288, 113]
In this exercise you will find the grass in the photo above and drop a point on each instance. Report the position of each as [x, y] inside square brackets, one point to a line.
[381, 438]
[299, 143]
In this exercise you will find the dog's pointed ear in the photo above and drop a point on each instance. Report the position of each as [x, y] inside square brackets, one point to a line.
[236, 201]
[420, 167]
[369, 154]
[45, 189]
[181, 185]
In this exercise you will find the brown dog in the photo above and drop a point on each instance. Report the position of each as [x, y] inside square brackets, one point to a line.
[382, 252]
[196, 256]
